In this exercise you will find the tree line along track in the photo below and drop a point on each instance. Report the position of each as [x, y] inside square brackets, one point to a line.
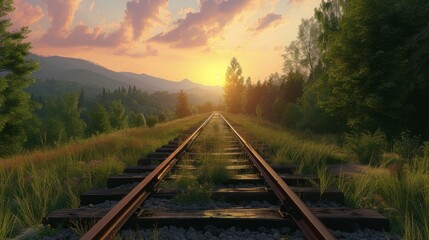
[218, 169]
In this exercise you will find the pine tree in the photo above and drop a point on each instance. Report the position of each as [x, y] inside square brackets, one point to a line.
[15, 75]
[182, 108]
[234, 87]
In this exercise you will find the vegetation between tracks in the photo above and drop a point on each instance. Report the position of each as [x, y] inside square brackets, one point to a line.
[196, 187]
[34, 184]
[398, 185]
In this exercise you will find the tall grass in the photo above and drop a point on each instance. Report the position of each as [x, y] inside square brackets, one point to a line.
[36, 183]
[289, 147]
[400, 192]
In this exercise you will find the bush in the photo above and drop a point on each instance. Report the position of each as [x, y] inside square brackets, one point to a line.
[161, 117]
[291, 115]
[151, 121]
[136, 120]
[367, 147]
[407, 146]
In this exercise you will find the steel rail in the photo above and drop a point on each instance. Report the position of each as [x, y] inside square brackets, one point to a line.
[111, 223]
[291, 204]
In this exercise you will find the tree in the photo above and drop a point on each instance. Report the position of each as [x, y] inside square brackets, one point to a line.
[118, 118]
[151, 121]
[70, 116]
[234, 87]
[15, 76]
[303, 54]
[99, 120]
[182, 109]
[136, 120]
[206, 107]
[366, 68]
[53, 130]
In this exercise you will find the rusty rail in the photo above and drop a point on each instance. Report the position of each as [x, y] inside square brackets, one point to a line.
[291, 204]
[112, 222]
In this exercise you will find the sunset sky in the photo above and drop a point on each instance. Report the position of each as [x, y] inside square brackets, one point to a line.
[171, 39]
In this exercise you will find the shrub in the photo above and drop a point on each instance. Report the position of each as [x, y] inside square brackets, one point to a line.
[151, 121]
[161, 117]
[407, 146]
[366, 146]
[291, 115]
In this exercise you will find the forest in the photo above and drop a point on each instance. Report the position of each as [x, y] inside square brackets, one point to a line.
[355, 66]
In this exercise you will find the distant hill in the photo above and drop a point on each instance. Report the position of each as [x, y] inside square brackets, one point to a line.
[78, 73]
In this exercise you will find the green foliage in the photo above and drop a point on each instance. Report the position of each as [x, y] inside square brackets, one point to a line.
[290, 147]
[118, 117]
[182, 108]
[366, 146]
[99, 120]
[151, 121]
[62, 120]
[365, 63]
[234, 87]
[315, 118]
[136, 120]
[37, 183]
[407, 146]
[303, 54]
[70, 115]
[15, 103]
[197, 193]
[291, 115]
[161, 117]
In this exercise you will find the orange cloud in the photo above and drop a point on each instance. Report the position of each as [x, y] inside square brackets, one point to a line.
[269, 20]
[197, 28]
[149, 51]
[25, 14]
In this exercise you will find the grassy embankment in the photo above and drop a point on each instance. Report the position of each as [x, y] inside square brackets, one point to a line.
[36, 183]
[399, 191]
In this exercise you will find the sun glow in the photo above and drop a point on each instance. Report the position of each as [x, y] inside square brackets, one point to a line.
[213, 75]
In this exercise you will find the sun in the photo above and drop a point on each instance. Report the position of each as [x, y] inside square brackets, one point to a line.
[214, 75]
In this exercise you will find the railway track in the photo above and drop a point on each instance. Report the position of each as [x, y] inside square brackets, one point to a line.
[212, 176]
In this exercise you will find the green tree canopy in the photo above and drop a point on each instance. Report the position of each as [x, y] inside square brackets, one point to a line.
[99, 120]
[363, 48]
[15, 75]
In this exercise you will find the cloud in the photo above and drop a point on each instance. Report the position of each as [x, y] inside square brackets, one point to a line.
[141, 13]
[91, 6]
[197, 28]
[184, 11]
[150, 51]
[25, 14]
[269, 20]
[139, 17]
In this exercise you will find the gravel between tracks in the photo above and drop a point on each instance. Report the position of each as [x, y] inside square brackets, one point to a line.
[163, 203]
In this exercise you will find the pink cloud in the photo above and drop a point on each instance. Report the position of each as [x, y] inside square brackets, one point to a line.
[149, 51]
[197, 28]
[139, 16]
[141, 13]
[269, 20]
[25, 14]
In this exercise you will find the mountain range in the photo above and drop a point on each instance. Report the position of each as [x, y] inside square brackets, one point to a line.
[75, 73]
